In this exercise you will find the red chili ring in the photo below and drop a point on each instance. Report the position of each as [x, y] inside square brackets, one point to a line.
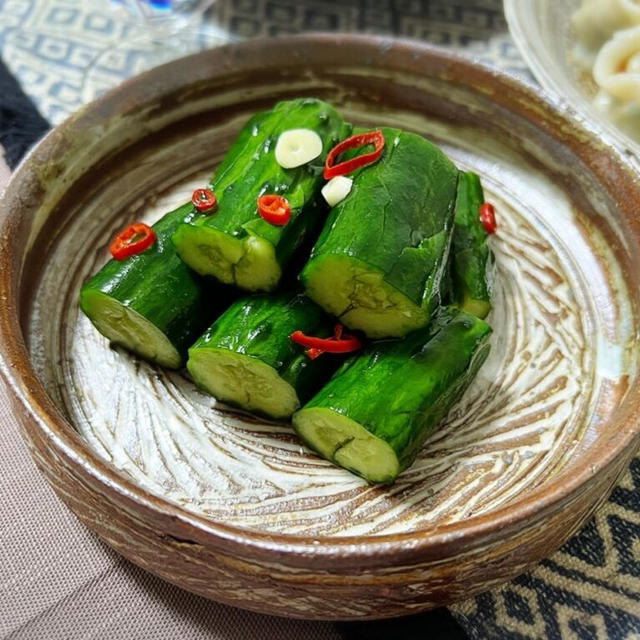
[376, 138]
[274, 209]
[134, 239]
[204, 200]
[487, 215]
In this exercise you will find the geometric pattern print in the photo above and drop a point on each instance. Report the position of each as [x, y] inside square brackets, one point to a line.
[49, 46]
[474, 27]
[590, 588]
[66, 52]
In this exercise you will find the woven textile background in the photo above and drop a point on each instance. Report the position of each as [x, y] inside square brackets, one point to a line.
[55, 51]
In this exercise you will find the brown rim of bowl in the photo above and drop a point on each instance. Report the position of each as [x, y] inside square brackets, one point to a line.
[384, 550]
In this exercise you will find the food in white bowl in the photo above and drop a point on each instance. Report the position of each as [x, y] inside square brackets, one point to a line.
[607, 46]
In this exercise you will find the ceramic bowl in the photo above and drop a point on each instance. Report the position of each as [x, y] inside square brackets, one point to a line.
[546, 38]
[236, 509]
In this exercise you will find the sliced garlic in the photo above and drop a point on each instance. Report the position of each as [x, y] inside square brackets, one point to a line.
[336, 190]
[296, 147]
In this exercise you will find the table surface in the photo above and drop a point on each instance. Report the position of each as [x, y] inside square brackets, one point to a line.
[57, 580]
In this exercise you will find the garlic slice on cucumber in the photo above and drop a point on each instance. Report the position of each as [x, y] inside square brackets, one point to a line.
[296, 147]
[336, 190]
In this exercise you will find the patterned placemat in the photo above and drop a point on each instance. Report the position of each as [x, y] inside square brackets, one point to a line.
[64, 52]
[59, 54]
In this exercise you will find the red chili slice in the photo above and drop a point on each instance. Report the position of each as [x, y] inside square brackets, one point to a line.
[375, 138]
[274, 209]
[204, 199]
[132, 240]
[314, 353]
[339, 343]
[487, 215]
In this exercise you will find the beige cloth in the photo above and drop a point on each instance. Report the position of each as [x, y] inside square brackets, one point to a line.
[4, 170]
[57, 580]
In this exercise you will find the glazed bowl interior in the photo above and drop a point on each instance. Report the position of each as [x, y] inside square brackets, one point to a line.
[553, 406]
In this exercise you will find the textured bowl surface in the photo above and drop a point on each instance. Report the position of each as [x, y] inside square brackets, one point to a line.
[543, 33]
[235, 508]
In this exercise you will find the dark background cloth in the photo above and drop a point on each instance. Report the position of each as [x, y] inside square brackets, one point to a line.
[21, 125]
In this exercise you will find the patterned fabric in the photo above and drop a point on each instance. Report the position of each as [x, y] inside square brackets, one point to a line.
[67, 51]
[64, 53]
[588, 589]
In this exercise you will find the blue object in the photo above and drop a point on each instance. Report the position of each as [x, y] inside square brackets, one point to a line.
[163, 5]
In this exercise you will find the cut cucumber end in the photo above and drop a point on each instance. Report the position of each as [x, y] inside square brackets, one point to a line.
[347, 444]
[478, 308]
[359, 296]
[249, 262]
[243, 381]
[129, 329]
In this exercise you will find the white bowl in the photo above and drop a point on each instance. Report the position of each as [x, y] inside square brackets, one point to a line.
[543, 33]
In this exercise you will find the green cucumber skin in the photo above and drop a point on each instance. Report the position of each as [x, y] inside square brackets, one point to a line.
[260, 325]
[471, 258]
[250, 170]
[398, 218]
[159, 286]
[400, 390]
